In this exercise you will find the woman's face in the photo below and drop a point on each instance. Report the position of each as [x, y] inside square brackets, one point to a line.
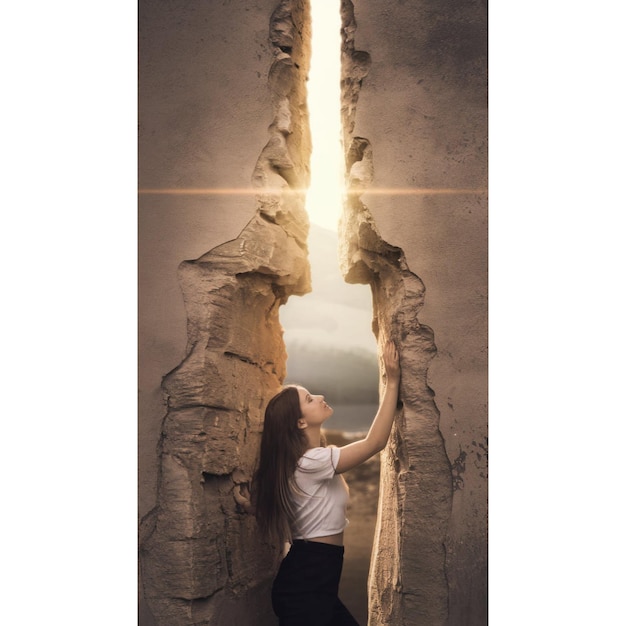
[314, 408]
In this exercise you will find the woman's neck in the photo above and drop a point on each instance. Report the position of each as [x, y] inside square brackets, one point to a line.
[314, 436]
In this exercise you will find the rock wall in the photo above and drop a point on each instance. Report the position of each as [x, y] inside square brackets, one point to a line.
[407, 582]
[415, 115]
[202, 561]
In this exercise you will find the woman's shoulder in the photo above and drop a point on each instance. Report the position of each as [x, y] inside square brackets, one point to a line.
[315, 458]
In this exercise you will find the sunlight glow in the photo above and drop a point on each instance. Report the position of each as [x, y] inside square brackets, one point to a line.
[324, 198]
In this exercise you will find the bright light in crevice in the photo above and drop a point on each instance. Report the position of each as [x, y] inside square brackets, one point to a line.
[324, 196]
[332, 324]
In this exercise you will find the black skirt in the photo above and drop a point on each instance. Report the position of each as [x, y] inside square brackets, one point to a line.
[305, 591]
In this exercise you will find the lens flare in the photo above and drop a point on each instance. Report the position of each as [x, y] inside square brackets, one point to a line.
[377, 191]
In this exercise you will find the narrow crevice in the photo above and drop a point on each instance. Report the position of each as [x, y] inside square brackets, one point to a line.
[201, 559]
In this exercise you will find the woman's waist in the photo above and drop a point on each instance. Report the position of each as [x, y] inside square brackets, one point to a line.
[333, 540]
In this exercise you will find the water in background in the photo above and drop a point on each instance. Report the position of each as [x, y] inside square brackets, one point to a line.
[351, 418]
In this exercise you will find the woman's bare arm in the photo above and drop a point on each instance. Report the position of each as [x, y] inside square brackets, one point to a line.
[358, 452]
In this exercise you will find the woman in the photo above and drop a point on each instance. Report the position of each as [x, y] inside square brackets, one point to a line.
[300, 497]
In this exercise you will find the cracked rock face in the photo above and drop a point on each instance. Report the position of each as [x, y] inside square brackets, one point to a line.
[420, 92]
[411, 570]
[407, 582]
[200, 557]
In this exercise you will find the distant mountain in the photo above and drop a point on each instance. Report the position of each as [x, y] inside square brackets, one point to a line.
[343, 377]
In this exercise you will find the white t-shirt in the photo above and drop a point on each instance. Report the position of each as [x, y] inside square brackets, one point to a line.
[321, 496]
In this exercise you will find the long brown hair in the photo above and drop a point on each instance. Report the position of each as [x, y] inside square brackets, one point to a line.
[282, 445]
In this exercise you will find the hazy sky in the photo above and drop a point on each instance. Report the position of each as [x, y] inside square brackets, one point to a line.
[335, 313]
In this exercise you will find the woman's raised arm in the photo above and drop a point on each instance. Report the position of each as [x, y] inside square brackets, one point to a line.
[358, 452]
